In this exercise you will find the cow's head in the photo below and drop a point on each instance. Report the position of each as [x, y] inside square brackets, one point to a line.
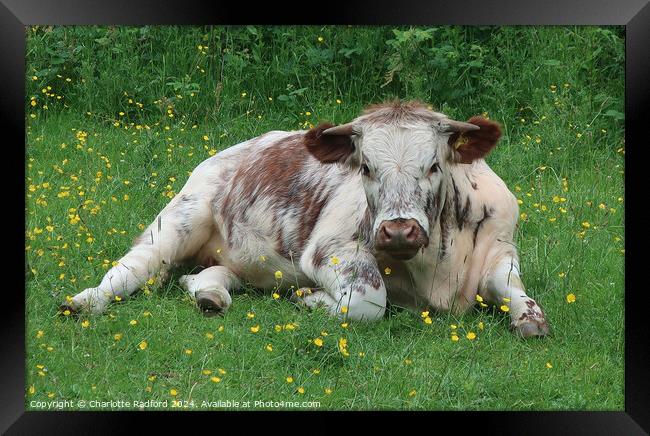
[404, 152]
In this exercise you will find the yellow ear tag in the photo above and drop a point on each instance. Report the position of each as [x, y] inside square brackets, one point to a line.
[460, 141]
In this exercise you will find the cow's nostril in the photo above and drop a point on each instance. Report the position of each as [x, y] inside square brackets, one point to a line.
[385, 233]
[411, 233]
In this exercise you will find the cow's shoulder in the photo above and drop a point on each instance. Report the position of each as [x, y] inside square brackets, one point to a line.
[481, 194]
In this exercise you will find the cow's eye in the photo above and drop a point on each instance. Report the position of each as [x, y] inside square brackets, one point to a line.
[365, 170]
[434, 168]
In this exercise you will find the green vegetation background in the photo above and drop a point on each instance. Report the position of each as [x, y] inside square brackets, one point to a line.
[118, 116]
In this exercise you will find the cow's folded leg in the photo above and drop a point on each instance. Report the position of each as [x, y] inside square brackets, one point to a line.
[502, 286]
[353, 286]
[209, 289]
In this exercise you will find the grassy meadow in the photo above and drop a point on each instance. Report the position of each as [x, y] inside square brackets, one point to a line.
[117, 117]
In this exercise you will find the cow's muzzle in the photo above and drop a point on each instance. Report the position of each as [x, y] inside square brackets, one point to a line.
[400, 238]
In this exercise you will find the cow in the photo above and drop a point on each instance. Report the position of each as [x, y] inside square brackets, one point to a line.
[396, 206]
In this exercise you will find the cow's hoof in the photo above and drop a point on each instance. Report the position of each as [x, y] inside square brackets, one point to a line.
[211, 303]
[531, 328]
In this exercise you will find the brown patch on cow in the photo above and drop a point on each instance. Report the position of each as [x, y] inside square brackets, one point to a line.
[321, 252]
[371, 276]
[311, 207]
[278, 173]
[319, 257]
[328, 148]
[361, 270]
[280, 246]
[462, 212]
[475, 144]
[396, 111]
[534, 311]
[432, 206]
[445, 223]
[533, 315]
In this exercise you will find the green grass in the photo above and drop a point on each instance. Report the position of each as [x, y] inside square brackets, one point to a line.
[562, 141]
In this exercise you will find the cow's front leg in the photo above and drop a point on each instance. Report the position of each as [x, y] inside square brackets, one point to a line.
[351, 284]
[502, 286]
[129, 274]
[209, 289]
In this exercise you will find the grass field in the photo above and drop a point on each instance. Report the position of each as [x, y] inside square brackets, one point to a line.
[118, 117]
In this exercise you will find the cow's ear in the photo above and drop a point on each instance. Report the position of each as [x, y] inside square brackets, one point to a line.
[470, 145]
[329, 143]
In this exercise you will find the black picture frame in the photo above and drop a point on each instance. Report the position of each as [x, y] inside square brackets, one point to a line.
[633, 14]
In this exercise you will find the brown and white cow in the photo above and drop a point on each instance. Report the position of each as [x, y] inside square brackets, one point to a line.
[398, 204]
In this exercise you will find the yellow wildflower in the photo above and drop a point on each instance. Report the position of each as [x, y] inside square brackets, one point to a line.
[570, 298]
